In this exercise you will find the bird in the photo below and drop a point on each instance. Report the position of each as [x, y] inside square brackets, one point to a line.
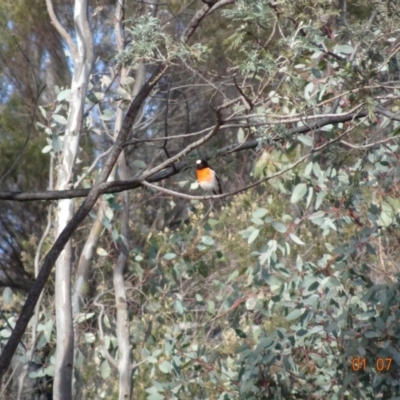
[207, 177]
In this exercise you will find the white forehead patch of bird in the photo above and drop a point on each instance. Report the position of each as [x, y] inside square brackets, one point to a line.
[198, 162]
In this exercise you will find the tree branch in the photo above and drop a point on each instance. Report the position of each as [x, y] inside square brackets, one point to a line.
[200, 15]
[60, 29]
[254, 184]
[163, 171]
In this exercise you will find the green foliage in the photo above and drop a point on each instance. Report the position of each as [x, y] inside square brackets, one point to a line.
[291, 322]
[147, 42]
[150, 43]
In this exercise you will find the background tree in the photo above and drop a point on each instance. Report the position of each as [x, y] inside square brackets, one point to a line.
[296, 106]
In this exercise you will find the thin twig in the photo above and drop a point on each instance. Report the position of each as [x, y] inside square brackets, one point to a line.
[91, 168]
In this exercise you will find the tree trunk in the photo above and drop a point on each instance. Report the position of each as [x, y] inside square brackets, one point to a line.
[83, 61]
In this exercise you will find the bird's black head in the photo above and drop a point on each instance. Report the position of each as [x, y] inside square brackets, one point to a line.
[201, 164]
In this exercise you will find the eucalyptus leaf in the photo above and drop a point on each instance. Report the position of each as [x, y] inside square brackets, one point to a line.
[251, 303]
[279, 226]
[260, 212]
[343, 48]
[107, 115]
[139, 164]
[296, 313]
[240, 135]
[178, 306]
[253, 236]
[308, 169]
[299, 192]
[169, 256]
[165, 367]
[63, 95]
[60, 119]
[101, 252]
[296, 239]
[207, 240]
[46, 149]
[307, 140]
[8, 296]
[105, 369]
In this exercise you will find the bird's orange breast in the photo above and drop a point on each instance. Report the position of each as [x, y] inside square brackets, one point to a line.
[204, 175]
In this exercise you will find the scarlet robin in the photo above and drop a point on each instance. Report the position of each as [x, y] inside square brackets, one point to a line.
[207, 177]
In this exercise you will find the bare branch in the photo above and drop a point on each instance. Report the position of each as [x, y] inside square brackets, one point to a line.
[60, 29]
[368, 146]
[200, 15]
[387, 113]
